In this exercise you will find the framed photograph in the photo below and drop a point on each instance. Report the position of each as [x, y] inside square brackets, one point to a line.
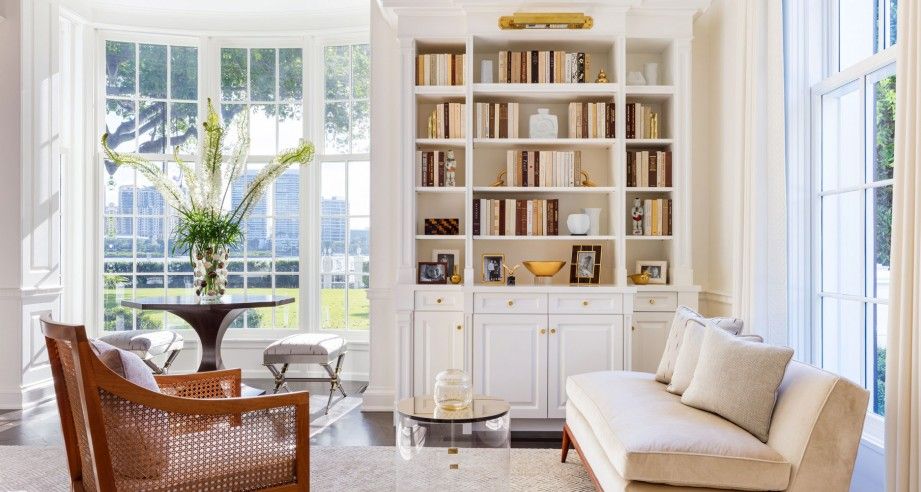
[449, 256]
[432, 272]
[585, 265]
[493, 273]
[658, 270]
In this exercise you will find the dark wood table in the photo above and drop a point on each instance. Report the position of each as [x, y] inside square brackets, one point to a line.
[210, 321]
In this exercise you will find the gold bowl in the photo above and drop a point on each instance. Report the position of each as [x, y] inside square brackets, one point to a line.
[544, 268]
[640, 278]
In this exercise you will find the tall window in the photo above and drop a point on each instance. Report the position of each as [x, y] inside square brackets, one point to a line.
[344, 188]
[151, 105]
[854, 110]
[268, 85]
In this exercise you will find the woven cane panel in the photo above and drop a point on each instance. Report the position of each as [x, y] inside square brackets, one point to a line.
[218, 387]
[250, 451]
[65, 352]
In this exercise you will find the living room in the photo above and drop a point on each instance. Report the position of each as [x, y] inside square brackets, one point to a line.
[619, 245]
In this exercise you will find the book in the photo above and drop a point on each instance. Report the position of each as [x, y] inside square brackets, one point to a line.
[440, 69]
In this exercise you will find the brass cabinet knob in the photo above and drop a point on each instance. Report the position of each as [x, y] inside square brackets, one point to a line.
[585, 303]
[543, 331]
[439, 300]
[552, 331]
[652, 301]
[459, 327]
[511, 303]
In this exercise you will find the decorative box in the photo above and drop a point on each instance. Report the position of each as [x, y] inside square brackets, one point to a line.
[442, 227]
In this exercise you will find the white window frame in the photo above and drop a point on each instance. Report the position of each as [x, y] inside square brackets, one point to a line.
[209, 48]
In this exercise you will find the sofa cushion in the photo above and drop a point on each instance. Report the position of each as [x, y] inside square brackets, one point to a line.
[683, 316]
[650, 436]
[686, 362]
[126, 364]
[738, 380]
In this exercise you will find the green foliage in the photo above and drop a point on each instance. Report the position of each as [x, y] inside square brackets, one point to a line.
[199, 230]
[884, 162]
[879, 399]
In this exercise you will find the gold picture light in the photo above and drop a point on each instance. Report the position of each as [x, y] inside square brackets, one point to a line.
[546, 20]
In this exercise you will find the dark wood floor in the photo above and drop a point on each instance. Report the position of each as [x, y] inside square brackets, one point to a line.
[40, 426]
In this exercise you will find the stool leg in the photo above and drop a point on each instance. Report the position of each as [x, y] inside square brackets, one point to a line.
[332, 386]
[169, 361]
[153, 367]
[279, 376]
[339, 370]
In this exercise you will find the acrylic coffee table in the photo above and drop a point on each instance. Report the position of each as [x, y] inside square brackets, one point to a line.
[465, 449]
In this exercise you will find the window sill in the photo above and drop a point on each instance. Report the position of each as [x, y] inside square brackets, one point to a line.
[874, 433]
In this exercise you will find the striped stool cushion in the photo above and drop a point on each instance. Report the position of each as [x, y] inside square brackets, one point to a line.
[305, 348]
[145, 343]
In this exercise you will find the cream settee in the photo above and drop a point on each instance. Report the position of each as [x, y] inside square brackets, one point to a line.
[632, 435]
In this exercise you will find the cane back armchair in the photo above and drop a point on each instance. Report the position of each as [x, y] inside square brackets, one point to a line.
[196, 434]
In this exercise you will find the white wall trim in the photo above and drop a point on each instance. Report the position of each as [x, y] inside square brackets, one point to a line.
[717, 297]
[28, 396]
[25, 292]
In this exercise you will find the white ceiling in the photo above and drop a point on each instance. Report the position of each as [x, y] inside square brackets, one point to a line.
[235, 6]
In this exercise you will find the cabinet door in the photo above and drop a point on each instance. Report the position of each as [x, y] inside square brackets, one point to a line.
[647, 339]
[578, 344]
[438, 344]
[510, 361]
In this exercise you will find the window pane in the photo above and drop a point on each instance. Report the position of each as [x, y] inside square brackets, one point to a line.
[262, 74]
[361, 71]
[233, 74]
[120, 116]
[332, 305]
[262, 129]
[286, 316]
[120, 68]
[286, 240]
[358, 304]
[337, 128]
[290, 126]
[184, 72]
[259, 241]
[184, 127]
[358, 243]
[291, 78]
[152, 127]
[843, 338]
[856, 31]
[231, 116]
[359, 188]
[842, 162]
[337, 72]
[843, 243]
[361, 127]
[882, 240]
[878, 352]
[893, 21]
[287, 193]
[883, 128]
[152, 79]
[332, 187]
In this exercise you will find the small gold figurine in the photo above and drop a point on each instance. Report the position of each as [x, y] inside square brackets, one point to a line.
[500, 179]
[602, 77]
[510, 271]
[456, 278]
[586, 181]
[654, 125]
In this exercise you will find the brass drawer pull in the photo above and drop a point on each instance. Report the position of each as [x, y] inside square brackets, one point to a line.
[585, 303]
[439, 300]
[552, 331]
[652, 301]
[459, 327]
[543, 331]
[511, 303]
[452, 450]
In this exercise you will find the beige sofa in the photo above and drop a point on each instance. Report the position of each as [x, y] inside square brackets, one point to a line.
[632, 435]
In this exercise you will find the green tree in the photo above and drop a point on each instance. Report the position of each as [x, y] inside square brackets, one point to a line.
[884, 161]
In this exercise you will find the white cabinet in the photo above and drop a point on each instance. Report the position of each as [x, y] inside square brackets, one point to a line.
[526, 359]
[510, 361]
[647, 339]
[439, 343]
[579, 344]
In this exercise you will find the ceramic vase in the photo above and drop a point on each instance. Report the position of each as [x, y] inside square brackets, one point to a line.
[578, 224]
[594, 220]
[486, 71]
[543, 124]
[651, 71]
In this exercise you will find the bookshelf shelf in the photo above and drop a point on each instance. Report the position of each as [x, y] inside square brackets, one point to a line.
[424, 237]
[650, 92]
[648, 238]
[575, 239]
[438, 92]
[544, 189]
[649, 189]
[442, 142]
[555, 142]
[648, 142]
[440, 189]
[545, 92]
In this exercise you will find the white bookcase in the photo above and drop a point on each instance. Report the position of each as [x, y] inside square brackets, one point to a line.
[627, 321]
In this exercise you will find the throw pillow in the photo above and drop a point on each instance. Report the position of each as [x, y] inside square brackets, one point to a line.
[126, 364]
[683, 315]
[686, 362]
[738, 380]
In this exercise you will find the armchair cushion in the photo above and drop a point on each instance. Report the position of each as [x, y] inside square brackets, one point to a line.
[126, 364]
[683, 317]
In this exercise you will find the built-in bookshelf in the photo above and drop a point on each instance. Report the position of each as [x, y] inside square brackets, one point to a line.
[616, 143]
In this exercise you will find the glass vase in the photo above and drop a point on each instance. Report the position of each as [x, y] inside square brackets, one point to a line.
[453, 390]
[210, 270]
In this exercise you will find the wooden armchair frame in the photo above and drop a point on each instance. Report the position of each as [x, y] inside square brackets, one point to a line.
[91, 465]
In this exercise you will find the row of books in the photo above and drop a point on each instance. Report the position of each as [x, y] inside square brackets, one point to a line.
[511, 217]
[649, 168]
[642, 122]
[496, 120]
[543, 168]
[543, 67]
[657, 217]
[437, 168]
[448, 120]
[591, 120]
[440, 69]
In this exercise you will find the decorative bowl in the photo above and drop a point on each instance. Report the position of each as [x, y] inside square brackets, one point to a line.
[640, 278]
[544, 268]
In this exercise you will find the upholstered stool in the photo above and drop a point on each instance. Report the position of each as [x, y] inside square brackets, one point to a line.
[307, 348]
[148, 344]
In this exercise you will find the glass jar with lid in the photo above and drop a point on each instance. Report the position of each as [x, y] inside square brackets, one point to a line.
[453, 389]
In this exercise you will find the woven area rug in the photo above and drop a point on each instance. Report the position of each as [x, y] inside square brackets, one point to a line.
[331, 468]
[319, 421]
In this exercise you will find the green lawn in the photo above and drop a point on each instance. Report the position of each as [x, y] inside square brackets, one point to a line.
[333, 310]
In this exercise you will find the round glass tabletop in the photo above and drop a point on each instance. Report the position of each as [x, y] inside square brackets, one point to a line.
[482, 408]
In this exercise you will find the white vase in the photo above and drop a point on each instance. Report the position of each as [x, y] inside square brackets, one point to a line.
[578, 224]
[594, 219]
[486, 71]
[651, 70]
[543, 124]
[636, 78]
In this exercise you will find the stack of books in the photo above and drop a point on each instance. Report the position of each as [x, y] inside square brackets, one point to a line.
[510, 217]
[657, 217]
[437, 168]
[496, 120]
[642, 122]
[543, 67]
[448, 120]
[440, 69]
[591, 120]
[542, 168]
[649, 169]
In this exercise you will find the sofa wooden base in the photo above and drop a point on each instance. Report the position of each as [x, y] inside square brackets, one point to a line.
[569, 438]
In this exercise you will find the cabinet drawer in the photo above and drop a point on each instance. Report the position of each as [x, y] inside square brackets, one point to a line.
[509, 302]
[593, 303]
[656, 301]
[439, 301]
